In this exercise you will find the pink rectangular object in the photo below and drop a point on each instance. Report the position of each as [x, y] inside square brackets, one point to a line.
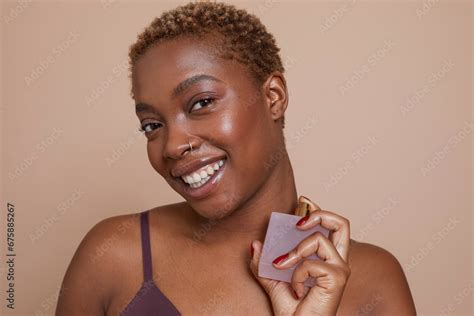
[281, 237]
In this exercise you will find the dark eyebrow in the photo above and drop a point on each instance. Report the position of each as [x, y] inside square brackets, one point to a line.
[143, 107]
[182, 86]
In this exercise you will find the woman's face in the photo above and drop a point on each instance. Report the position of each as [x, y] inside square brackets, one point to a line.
[186, 93]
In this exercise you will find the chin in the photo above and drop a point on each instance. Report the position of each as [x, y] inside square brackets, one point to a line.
[215, 209]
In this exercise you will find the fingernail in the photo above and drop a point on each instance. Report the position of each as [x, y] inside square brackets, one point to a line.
[296, 295]
[302, 221]
[251, 249]
[280, 258]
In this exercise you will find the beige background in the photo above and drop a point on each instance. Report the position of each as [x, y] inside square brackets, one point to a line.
[361, 142]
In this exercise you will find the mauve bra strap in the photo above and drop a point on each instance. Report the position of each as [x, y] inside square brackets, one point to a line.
[146, 249]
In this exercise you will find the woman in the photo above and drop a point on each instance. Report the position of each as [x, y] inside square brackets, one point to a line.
[210, 95]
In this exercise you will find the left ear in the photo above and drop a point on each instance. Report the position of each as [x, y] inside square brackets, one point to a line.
[276, 94]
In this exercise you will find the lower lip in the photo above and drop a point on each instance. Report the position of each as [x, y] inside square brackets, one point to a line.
[207, 188]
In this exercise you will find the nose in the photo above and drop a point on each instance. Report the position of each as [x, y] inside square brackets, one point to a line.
[176, 143]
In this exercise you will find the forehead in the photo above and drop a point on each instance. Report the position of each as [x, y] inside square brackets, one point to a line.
[167, 63]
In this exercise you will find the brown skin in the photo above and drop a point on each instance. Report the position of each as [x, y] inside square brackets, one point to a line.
[206, 269]
[332, 273]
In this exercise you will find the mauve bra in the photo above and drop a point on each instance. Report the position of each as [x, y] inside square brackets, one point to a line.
[149, 300]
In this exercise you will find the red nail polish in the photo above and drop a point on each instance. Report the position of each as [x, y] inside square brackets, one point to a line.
[251, 250]
[302, 221]
[296, 295]
[280, 258]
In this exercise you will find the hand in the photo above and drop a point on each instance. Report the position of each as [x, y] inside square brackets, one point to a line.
[331, 273]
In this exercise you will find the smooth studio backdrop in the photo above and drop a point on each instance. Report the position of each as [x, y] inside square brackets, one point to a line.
[379, 129]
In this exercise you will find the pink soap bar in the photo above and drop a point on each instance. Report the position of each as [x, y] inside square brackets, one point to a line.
[282, 236]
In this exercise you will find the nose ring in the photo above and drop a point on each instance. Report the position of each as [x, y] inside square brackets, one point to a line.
[190, 146]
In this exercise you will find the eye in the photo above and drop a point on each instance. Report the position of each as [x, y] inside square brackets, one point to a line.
[148, 127]
[203, 102]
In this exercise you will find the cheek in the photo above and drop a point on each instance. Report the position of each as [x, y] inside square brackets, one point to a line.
[238, 129]
[247, 136]
[154, 157]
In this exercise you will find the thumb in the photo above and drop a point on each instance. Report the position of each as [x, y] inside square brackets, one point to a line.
[268, 285]
[280, 293]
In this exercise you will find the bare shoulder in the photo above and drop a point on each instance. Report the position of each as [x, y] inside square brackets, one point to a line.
[378, 276]
[110, 248]
[89, 276]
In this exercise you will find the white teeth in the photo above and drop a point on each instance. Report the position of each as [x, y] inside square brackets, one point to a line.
[200, 183]
[210, 170]
[196, 179]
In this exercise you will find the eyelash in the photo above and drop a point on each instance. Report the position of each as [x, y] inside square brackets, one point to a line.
[209, 100]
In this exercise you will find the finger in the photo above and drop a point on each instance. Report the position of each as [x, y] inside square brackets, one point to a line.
[329, 277]
[324, 249]
[338, 225]
[315, 243]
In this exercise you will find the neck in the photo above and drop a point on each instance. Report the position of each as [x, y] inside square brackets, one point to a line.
[249, 221]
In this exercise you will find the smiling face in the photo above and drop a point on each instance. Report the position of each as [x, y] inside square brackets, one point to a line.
[184, 92]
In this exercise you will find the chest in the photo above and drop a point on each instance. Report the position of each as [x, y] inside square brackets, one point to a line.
[203, 291]
[212, 290]
[196, 289]
[209, 291]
